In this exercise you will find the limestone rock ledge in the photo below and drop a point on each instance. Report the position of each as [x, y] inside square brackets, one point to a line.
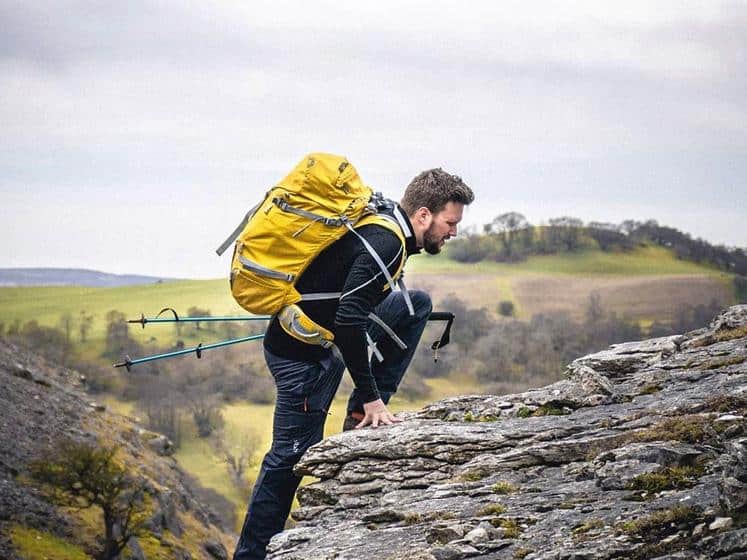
[639, 452]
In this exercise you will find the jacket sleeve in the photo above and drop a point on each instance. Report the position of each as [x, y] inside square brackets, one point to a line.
[363, 290]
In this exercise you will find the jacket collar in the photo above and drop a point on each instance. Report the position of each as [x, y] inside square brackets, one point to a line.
[400, 215]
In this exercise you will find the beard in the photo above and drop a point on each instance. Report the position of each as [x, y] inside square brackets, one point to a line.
[431, 242]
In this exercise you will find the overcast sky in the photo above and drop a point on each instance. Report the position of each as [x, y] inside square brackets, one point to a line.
[134, 135]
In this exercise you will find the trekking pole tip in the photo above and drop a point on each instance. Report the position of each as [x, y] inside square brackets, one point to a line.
[126, 364]
[142, 320]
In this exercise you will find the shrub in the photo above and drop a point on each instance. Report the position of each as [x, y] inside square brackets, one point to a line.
[506, 308]
[81, 475]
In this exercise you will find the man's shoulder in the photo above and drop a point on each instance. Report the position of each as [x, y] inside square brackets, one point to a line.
[381, 236]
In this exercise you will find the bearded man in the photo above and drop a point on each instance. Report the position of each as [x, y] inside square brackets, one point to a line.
[367, 314]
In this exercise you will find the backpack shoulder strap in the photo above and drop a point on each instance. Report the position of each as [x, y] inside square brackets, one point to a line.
[390, 224]
[396, 227]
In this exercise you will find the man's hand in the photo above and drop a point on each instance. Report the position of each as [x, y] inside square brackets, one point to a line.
[376, 414]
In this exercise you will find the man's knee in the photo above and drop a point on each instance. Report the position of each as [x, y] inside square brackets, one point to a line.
[421, 303]
[294, 433]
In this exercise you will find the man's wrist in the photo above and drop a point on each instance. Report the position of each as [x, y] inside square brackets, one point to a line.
[371, 397]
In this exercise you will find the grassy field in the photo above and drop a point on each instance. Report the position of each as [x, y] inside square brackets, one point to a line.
[536, 285]
[646, 284]
[48, 304]
[647, 261]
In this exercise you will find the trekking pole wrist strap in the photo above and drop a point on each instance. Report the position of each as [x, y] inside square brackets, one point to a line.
[445, 337]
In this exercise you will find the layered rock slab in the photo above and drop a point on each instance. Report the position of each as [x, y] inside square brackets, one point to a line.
[639, 452]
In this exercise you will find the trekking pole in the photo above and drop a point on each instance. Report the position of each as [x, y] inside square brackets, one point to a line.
[128, 363]
[445, 337]
[144, 320]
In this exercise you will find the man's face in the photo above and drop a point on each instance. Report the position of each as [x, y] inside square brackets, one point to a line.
[442, 227]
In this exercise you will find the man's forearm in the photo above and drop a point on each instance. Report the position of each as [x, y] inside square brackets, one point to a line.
[351, 340]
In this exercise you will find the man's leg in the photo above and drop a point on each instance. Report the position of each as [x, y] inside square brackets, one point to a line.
[393, 311]
[304, 393]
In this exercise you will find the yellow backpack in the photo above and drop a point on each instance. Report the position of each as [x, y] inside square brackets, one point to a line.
[319, 201]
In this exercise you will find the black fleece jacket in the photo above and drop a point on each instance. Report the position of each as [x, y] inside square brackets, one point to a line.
[346, 267]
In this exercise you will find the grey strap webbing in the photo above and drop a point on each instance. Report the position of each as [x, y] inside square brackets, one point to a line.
[264, 271]
[402, 222]
[320, 296]
[375, 256]
[388, 330]
[394, 286]
[231, 238]
[373, 350]
[285, 207]
[406, 294]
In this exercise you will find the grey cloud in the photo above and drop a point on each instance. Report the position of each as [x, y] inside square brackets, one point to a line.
[170, 101]
[68, 33]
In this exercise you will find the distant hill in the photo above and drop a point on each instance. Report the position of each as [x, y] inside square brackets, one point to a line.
[72, 277]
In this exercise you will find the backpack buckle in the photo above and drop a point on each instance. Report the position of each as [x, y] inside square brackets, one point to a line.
[336, 222]
[280, 203]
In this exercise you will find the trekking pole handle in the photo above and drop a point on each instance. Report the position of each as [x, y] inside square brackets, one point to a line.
[441, 316]
[445, 337]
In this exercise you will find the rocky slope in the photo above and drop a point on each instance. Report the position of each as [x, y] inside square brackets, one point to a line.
[41, 404]
[639, 452]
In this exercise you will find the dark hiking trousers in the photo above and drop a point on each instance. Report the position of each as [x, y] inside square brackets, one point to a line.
[305, 391]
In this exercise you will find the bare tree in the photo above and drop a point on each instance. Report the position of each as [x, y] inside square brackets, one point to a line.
[66, 324]
[237, 457]
[206, 412]
[507, 227]
[85, 322]
[118, 340]
[567, 231]
[198, 312]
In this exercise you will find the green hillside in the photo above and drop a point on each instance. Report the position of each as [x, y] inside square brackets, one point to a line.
[495, 282]
[643, 261]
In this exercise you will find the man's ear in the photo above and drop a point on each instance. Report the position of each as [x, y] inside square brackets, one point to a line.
[423, 216]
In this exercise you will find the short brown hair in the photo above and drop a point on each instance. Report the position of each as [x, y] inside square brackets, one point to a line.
[433, 189]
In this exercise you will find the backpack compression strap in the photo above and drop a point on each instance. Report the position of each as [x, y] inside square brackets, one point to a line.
[231, 238]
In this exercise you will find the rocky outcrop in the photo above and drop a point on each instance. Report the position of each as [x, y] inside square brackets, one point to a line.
[639, 452]
[40, 404]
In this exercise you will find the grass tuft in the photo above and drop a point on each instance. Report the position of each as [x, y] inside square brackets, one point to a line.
[511, 529]
[725, 362]
[492, 509]
[730, 334]
[726, 403]
[588, 526]
[650, 389]
[524, 412]
[659, 524]
[669, 478]
[474, 475]
[689, 428]
[551, 409]
[503, 487]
